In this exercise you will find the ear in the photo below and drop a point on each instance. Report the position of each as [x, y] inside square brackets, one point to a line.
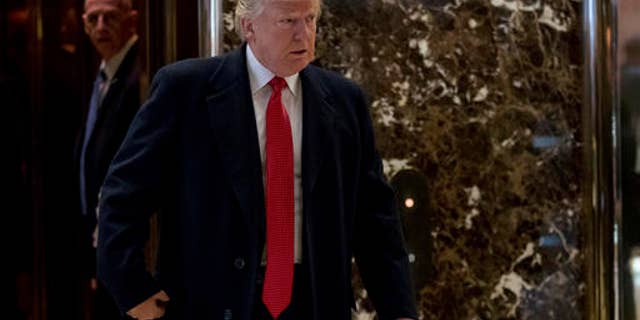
[133, 20]
[87, 30]
[133, 14]
[247, 28]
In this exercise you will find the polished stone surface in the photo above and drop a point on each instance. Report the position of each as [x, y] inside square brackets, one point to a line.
[478, 104]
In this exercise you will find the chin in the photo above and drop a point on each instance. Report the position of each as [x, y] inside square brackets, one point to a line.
[300, 63]
[295, 70]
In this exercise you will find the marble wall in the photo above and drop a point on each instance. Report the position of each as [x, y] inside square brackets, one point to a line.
[483, 100]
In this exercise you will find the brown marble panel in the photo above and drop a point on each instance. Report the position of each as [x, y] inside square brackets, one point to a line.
[483, 100]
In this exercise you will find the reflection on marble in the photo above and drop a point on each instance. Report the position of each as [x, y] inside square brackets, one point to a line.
[484, 99]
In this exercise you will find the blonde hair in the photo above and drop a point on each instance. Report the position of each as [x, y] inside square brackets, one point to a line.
[245, 9]
[252, 8]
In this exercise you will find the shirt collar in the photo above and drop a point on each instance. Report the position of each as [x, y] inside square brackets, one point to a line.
[259, 75]
[111, 67]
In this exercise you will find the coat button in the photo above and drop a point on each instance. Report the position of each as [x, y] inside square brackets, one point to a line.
[239, 263]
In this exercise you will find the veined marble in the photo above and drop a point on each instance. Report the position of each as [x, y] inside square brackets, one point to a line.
[483, 99]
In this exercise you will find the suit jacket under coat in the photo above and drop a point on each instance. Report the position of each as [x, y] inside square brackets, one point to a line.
[119, 106]
[192, 153]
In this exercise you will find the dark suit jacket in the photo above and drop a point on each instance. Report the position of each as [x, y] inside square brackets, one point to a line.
[119, 106]
[192, 152]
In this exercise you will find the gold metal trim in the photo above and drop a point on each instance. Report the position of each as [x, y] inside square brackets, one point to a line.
[210, 25]
[601, 159]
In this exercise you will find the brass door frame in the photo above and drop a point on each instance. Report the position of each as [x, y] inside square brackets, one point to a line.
[602, 157]
[210, 25]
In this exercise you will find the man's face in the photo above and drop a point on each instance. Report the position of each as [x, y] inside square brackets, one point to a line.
[108, 25]
[283, 34]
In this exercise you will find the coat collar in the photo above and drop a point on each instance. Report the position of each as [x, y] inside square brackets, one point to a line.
[233, 124]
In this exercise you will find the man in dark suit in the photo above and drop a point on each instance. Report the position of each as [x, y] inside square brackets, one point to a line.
[115, 98]
[265, 175]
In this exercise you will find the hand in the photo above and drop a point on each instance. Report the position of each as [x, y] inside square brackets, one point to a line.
[152, 308]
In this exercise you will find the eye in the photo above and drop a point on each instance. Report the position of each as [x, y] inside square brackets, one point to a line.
[310, 18]
[92, 18]
[110, 17]
[287, 21]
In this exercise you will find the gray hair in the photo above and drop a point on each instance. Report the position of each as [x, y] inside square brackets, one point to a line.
[245, 9]
[252, 8]
[124, 5]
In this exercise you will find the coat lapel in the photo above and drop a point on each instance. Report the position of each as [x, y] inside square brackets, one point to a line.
[233, 124]
[318, 120]
[317, 123]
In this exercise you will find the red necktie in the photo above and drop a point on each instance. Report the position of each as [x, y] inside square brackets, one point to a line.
[278, 280]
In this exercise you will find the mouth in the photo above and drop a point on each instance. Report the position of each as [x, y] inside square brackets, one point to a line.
[299, 52]
[103, 39]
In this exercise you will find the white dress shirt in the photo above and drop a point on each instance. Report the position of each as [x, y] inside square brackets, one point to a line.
[111, 67]
[259, 77]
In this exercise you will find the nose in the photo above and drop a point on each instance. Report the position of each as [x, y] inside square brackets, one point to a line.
[298, 30]
[302, 30]
[100, 22]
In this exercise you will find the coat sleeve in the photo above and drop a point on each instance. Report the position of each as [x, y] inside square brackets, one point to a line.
[378, 242]
[130, 195]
